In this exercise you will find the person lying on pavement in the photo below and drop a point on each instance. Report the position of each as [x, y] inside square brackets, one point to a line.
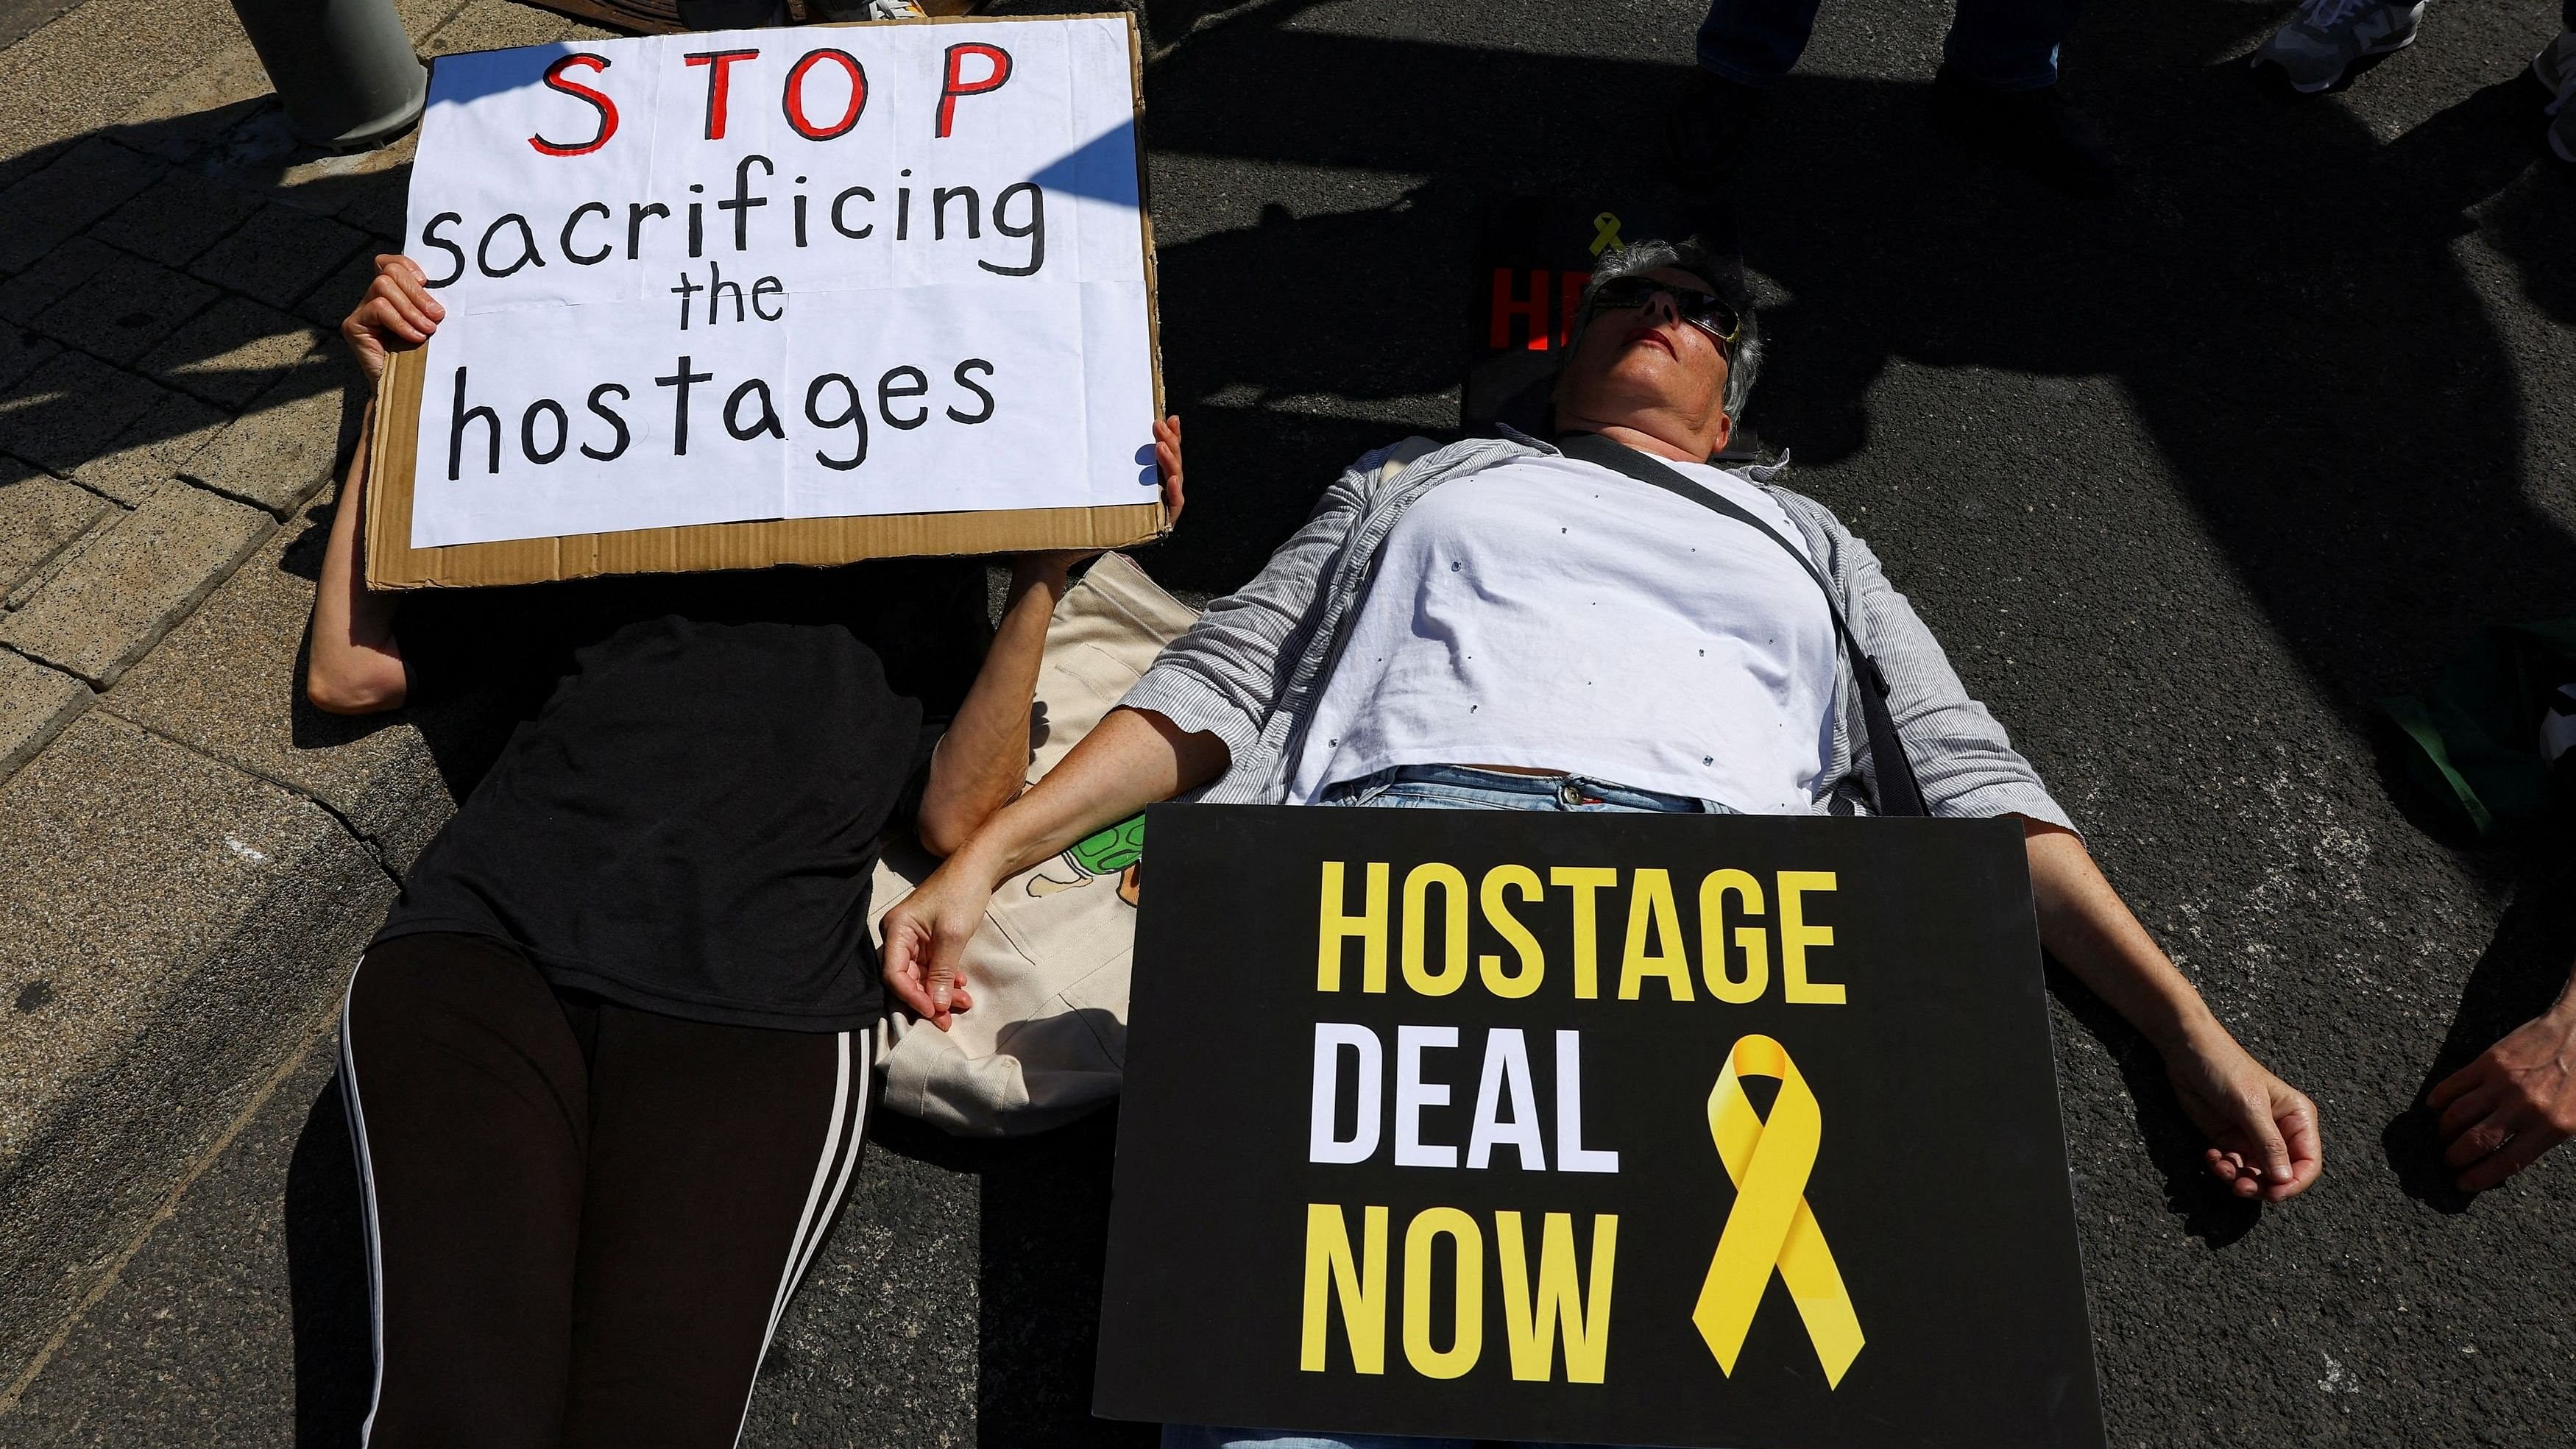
[1510, 624]
[1558, 626]
[607, 1062]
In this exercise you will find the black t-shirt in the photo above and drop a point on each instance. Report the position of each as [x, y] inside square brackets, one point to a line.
[689, 822]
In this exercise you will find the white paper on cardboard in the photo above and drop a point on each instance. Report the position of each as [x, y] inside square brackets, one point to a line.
[781, 274]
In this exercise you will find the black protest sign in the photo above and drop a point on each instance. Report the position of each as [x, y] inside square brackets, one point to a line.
[1619, 1129]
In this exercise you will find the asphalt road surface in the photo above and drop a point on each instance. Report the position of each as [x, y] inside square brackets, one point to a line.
[2184, 479]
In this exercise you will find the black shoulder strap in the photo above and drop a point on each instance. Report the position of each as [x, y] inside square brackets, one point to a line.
[1897, 792]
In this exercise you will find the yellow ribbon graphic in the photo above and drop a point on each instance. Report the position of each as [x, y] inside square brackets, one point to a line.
[1605, 232]
[1771, 1224]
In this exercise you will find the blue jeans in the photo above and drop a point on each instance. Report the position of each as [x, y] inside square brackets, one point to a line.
[2008, 44]
[1458, 787]
[1448, 787]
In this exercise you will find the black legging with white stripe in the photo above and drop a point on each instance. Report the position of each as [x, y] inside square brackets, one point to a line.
[584, 1219]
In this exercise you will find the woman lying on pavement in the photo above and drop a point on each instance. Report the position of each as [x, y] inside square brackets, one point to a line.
[607, 1062]
[1508, 625]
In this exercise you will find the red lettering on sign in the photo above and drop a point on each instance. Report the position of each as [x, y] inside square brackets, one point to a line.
[719, 64]
[1569, 303]
[793, 101]
[956, 85]
[554, 80]
[1508, 305]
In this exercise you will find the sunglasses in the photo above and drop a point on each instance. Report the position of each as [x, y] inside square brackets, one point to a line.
[1704, 310]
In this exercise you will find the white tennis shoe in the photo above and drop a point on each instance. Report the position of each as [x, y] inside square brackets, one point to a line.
[2319, 46]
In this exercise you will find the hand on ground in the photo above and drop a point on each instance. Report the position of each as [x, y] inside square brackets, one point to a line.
[397, 311]
[2515, 1102]
[2262, 1132]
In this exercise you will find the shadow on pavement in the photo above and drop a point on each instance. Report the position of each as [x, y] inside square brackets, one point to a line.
[2278, 296]
[190, 338]
[1043, 1229]
[326, 1269]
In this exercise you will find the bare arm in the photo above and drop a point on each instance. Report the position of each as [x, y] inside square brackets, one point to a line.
[1131, 760]
[985, 753]
[355, 665]
[2263, 1133]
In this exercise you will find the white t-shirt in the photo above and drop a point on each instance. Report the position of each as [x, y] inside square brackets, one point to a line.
[1551, 614]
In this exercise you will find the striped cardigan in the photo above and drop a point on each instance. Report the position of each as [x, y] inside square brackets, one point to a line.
[1254, 667]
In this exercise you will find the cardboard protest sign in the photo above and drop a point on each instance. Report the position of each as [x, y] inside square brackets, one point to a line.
[1606, 1129]
[839, 273]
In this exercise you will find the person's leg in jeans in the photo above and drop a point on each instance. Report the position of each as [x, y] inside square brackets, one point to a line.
[2555, 68]
[1997, 89]
[2008, 45]
[1755, 42]
[469, 1105]
[1744, 46]
[718, 1156]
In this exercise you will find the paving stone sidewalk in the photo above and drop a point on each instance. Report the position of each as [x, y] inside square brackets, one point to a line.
[193, 856]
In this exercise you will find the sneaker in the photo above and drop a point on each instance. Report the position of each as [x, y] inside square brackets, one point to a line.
[2555, 69]
[2317, 47]
[2038, 130]
[2555, 66]
[2558, 726]
[1705, 135]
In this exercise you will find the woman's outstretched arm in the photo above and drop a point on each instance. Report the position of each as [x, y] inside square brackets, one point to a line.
[2263, 1132]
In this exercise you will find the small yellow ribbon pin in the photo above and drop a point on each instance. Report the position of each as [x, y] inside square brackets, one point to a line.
[1771, 1224]
[1605, 232]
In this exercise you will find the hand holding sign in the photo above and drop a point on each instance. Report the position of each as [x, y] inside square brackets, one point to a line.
[1166, 454]
[397, 311]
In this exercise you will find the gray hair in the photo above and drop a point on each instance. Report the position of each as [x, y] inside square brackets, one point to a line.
[1724, 275]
